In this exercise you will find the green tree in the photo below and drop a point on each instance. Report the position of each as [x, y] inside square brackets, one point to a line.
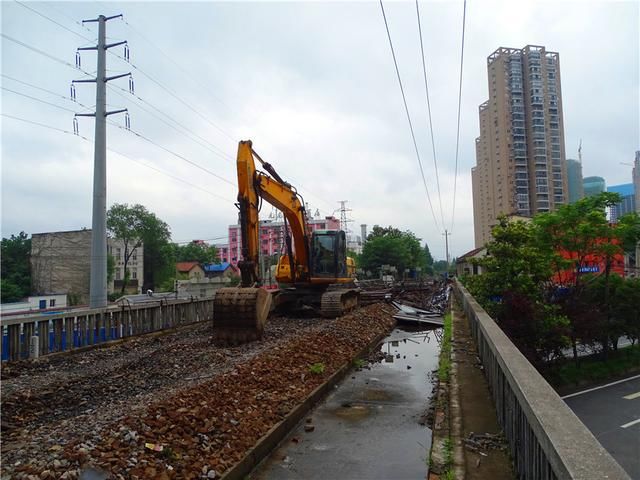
[197, 252]
[626, 308]
[391, 246]
[514, 287]
[428, 260]
[135, 225]
[111, 267]
[578, 234]
[15, 268]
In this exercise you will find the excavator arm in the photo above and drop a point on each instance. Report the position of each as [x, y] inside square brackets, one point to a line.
[254, 185]
[240, 313]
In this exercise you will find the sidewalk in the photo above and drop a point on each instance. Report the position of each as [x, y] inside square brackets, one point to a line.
[479, 453]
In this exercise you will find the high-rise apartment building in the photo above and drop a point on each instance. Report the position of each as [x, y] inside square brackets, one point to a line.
[520, 156]
[627, 205]
[575, 190]
[593, 186]
[636, 179]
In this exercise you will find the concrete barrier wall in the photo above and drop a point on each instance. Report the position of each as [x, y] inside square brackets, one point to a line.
[82, 328]
[547, 440]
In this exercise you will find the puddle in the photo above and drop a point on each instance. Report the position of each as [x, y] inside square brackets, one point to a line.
[413, 351]
[369, 426]
[352, 411]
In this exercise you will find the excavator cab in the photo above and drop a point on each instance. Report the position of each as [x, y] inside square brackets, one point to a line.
[328, 254]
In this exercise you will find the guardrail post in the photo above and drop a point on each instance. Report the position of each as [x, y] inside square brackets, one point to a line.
[68, 332]
[100, 323]
[14, 342]
[107, 322]
[28, 330]
[57, 334]
[43, 336]
[82, 330]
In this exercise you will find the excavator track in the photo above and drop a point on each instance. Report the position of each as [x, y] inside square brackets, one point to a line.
[240, 314]
[335, 303]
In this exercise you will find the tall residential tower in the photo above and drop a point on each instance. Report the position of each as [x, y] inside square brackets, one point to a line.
[520, 156]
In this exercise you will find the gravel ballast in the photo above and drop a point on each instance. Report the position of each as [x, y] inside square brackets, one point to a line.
[172, 406]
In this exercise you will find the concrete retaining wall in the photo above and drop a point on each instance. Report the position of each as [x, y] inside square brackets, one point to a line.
[547, 440]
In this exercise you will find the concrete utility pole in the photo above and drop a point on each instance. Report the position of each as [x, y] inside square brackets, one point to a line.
[98, 282]
[446, 242]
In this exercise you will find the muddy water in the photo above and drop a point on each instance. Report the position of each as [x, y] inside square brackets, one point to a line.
[369, 427]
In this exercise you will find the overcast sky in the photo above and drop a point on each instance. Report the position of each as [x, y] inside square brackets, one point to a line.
[313, 85]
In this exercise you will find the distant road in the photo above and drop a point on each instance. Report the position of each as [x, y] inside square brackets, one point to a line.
[612, 413]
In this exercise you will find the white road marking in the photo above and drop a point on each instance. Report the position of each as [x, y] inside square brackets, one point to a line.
[601, 386]
[627, 425]
[632, 396]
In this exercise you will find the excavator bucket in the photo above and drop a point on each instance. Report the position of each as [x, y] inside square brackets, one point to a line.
[239, 314]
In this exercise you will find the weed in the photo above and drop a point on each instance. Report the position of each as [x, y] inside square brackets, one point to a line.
[317, 368]
[448, 460]
[168, 453]
[445, 352]
[359, 363]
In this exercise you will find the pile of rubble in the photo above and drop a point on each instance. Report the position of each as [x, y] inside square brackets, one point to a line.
[170, 406]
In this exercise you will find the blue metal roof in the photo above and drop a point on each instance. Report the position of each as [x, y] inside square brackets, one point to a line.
[625, 189]
[216, 267]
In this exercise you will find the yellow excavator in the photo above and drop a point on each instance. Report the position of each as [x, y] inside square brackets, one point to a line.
[315, 270]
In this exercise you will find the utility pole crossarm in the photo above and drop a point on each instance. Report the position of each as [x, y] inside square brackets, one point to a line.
[107, 79]
[109, 45]
[112, 112]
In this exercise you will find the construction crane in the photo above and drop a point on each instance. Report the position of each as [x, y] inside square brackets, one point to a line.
[314, 272]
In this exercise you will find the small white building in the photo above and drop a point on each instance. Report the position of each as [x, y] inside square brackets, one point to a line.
[36, 302]
[465, 264]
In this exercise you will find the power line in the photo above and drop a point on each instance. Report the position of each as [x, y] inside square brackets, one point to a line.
[43, 89]
[53, 21]
[182, 242]
[406, 108]
[39, 100]
[174, 95]
[171, 152]
[44, 126]
[186, 132]
[61, 130]
[426, 87]
[455, 177]
[80, 24]
[191, 77]
[134, 66]
[43, 53]
[182, 130]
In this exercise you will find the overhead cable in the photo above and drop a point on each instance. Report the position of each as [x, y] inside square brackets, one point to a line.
[426, 87]
[39, 100]
[406, 108]
[455, 177]
[53, 21]
[171, 152]
[42, 52]
[119, 153]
